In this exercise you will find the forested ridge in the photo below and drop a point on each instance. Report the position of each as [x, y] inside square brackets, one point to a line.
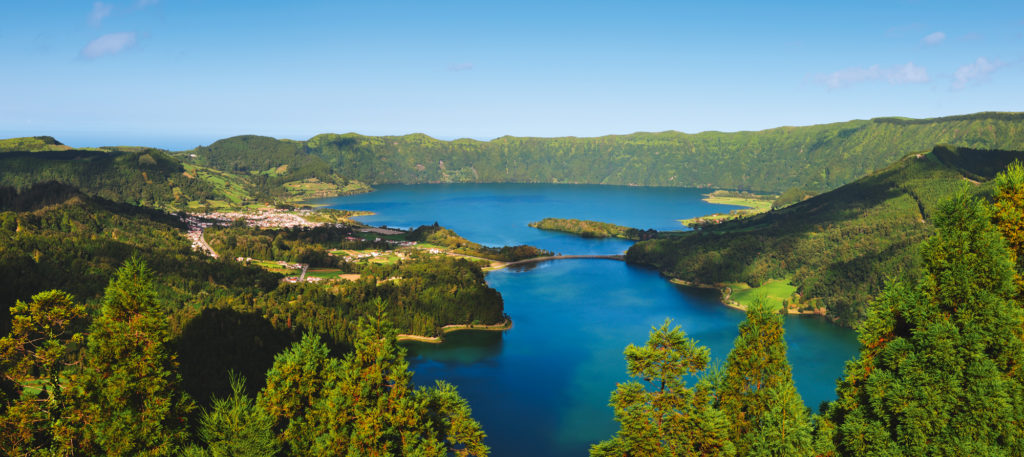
[252, 170]
[839, 247]
[815, 158]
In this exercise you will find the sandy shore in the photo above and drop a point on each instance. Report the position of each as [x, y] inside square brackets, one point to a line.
[454, 328]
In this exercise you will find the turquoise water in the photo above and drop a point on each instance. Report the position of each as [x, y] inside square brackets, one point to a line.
[542, 388]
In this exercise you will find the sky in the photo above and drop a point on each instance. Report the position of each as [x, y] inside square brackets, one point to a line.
[180, 73]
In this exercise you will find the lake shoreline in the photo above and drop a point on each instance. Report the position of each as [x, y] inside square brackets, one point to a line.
[725, 301]
[499, 327]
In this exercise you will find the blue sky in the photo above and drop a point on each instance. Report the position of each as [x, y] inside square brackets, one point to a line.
[178, 73]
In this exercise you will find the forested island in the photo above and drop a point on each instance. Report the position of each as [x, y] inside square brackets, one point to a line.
[593, 229]
[119, 338]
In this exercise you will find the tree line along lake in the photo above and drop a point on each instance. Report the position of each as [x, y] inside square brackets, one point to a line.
[541, 388]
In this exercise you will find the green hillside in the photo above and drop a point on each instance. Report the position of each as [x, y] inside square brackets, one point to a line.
[814, 158]
[276, 169]
[140, 176]
[31, 143]
[837, 248]
[253, 170]
[223, 314]
[234, 173]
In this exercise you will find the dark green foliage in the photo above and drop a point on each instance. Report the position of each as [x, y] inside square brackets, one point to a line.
[220, 341]
[791, 196]
[757, 393]
[299, 379]
[423, 294]
[126, 398]
[52, 237]
[236, 427]
[32, 359]
[940, 368]
[308, 245]
[267, 163]
[440, 236]
[673, 419]
[593, 229]
[1008, 213]
[364, 404]
[816, 158]
[146, 176]
[837, 247]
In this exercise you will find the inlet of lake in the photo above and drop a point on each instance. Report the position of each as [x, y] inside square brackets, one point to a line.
[542, 387]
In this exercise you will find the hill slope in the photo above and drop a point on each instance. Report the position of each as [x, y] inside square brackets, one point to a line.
[837, 248]
[817, 158]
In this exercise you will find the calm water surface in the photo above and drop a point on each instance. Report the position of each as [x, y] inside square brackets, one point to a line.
[542, 388]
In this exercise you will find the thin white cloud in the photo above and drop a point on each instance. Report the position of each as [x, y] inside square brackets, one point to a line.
[900, 74]
[145, 3]
[460, 67]
[977, 71]
[934, 38]
[111, 43]
[99, 12]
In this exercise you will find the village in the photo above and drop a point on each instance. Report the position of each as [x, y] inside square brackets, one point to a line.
[276, 219]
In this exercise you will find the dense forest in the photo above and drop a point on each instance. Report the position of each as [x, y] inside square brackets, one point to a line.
[839, 247]
[116, 338]
[593, 229]
[139, 176]
[114, 387]
[249, 170]
[813, 158]
[222, 314]
[938, 374]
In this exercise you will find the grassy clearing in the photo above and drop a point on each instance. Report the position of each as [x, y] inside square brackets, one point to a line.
[326, 273]
[752, 204]
[773, 290]
[275, 267]
[760, 205]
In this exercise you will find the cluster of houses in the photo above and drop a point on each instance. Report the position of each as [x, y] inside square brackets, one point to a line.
[271, 218]
[197, 222]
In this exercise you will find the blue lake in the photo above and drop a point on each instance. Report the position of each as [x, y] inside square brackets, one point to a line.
[542, 387]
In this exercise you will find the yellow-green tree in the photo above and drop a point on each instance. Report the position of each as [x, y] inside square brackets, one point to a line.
[941, 366]
[365, 405]
[767, 415]
[126, 399]
[1008, 212]
[33, 357]
[672, 419]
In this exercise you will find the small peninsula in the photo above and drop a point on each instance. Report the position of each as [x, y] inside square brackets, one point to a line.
[593, 229]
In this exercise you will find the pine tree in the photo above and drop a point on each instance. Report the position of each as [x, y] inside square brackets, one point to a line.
[767, 415]
[940, 369]
[33, 357]
[673, 419]
[300, 378]
[126, 399]
[235, 427]
[1008, 213]
[365, 405]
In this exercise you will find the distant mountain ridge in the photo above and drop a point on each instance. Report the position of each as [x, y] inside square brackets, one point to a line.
[249, 170]
[815, 158]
